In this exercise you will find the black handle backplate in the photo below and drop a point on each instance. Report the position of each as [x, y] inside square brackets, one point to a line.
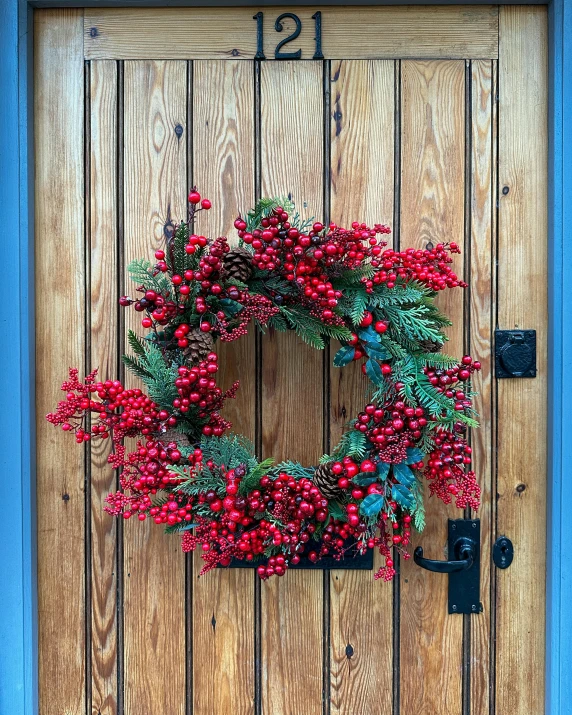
[463, 565]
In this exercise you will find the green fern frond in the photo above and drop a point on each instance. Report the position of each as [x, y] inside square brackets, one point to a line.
[135, 366]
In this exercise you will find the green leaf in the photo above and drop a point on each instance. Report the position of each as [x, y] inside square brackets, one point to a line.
[375, 351]
[344, 356]
[414, 455]
[372, 504]
[336, 511]
[231, 307]
[373, 371]
[402, 496]
[403, 474]
[364, 479]
[383, 470]
[369, 335]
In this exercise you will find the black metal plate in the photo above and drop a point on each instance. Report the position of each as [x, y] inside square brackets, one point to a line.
[503, 552]
[363, 562]
[464, 586]
[515, 353]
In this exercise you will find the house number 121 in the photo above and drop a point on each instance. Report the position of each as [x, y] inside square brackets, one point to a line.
[279, 53]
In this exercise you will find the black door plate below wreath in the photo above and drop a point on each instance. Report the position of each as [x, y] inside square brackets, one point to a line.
[360, 562]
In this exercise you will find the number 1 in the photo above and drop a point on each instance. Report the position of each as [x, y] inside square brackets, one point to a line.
[318, 54]
[259, 17]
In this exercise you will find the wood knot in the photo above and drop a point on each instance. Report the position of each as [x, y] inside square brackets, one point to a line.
[349, 650]
[93, 32]
[520, 488]
[66, 497]
[235, 53]
[178, 131]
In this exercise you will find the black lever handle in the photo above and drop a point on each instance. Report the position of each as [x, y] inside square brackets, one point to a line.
[464, 551]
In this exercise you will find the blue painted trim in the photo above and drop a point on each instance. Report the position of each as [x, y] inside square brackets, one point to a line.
[559, 532]
[18, 601]
[18, 622]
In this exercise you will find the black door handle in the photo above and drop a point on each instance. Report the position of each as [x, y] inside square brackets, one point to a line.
[464, 549]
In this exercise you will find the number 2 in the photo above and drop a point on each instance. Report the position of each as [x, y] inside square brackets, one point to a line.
[278, 26]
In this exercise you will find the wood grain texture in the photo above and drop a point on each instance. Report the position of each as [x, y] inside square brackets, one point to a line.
[432, 209]
[481, 317]
[223, 168]
[60, 343]
[292, 377]
[103, 293]
[522, 303]
[453, 32]
[362, 174]
[155, 177]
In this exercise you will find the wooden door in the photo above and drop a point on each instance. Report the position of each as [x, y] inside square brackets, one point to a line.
[430, 119]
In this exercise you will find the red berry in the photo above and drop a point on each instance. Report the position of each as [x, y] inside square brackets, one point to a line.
[206, 204]
[366, 320]
[194, 197]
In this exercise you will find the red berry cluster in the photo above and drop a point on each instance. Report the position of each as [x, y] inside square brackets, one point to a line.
[447, 380]
[307, 258]
[429, 266]
[198, 389]
[446, 466]
[392, 429]
[126, 413]
[257, 308]
[158, 307]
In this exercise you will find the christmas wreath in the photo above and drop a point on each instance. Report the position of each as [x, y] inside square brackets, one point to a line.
[189, 474]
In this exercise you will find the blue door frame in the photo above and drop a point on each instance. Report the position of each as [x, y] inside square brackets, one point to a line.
[18, 604]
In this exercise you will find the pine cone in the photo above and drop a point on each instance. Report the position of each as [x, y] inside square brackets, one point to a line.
[200, 345]
[429, 346]
[238, 264]
[173, 435]
[327, 481]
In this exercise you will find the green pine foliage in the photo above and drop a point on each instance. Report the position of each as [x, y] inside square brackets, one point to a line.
[161, 381]
[419, 509]
[229, 451]
[136, 343]
[142, 272]
[311, 329]
[352, 444]
[293, 469]
[264, 207]
[136, 367]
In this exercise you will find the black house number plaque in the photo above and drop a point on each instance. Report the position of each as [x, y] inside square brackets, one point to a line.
[279, 53]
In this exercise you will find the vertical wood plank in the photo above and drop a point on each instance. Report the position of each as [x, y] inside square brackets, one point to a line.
[361, 174]
[223, 168]
[60, 343]
[155, 177]
[292, 376]
[103, 292]
[482, 259]
[432, 209]
[522, 303]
